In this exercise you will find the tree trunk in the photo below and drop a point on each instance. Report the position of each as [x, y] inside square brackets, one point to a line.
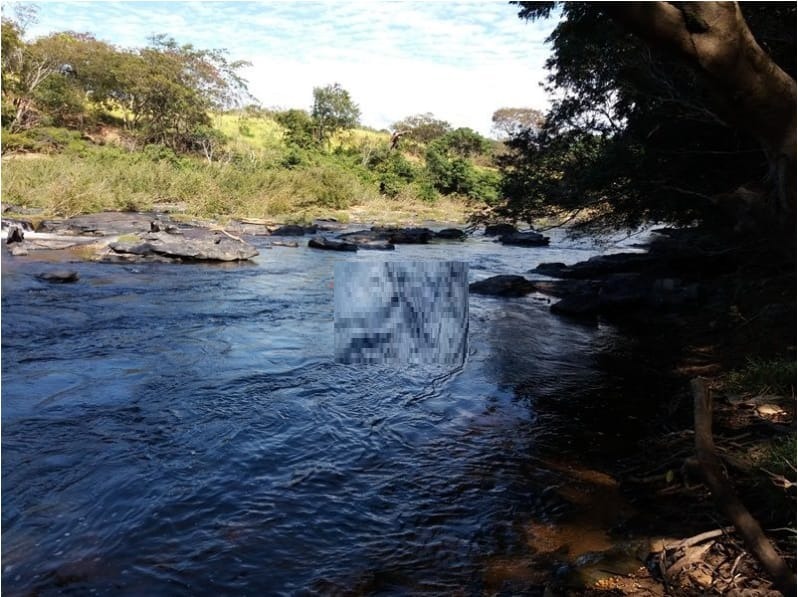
[753, 93]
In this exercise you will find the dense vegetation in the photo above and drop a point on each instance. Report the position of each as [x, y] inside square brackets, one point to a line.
[170, 123]
[637, 133]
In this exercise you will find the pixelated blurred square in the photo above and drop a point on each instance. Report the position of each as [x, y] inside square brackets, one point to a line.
[401, 312]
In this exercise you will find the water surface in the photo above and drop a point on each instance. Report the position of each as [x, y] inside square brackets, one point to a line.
[186, 430]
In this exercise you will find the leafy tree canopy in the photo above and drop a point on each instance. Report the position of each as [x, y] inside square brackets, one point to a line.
[635, 134]
[423, 128]
[333, 110]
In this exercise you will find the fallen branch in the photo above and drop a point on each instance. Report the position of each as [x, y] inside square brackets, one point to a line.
[725, 498]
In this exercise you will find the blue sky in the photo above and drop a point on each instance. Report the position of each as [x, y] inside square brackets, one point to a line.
[459, 60]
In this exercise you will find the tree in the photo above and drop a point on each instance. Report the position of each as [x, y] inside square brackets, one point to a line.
[662, 145]
[423, 128]
[748, 88]
[509, 122]
[298, 127]
[333, 110]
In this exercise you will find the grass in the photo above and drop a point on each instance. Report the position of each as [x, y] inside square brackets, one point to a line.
[112, 179]
[764, 376]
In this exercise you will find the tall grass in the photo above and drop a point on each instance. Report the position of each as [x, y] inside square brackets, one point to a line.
[109, 178]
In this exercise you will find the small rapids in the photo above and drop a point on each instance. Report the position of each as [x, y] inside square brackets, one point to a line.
[185, 430]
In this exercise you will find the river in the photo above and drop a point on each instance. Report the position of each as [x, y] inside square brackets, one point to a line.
[185, 430]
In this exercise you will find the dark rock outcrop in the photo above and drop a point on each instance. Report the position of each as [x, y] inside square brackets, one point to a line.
[404, 236]
[499, 229]
[528, 238]
[451, 234]
[331, 245]
[599, 266]
[503, 285]
[15, 235]
[293, 230]
[389, 235]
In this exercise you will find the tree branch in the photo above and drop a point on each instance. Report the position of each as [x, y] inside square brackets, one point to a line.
[725, 498]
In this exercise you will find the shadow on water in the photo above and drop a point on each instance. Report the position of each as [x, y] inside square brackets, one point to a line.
[185, 430]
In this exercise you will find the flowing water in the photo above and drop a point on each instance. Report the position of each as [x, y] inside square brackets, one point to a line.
[185, 430]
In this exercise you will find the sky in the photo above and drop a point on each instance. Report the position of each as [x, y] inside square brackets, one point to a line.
[459, 60]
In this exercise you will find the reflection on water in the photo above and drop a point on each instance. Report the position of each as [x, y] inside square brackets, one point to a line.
[184, 430]
[401, 312]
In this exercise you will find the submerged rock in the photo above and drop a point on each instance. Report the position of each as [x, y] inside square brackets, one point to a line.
[331, 245]
[59, 276]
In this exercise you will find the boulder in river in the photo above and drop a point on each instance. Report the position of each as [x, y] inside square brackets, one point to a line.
[293, 230]
[599, 266]
[451, 234]
[404, 236]
[15, 235]
[503, 285]
[399, 236]
[499, 229]
[331, 245]
[528, 238]
[194, 245]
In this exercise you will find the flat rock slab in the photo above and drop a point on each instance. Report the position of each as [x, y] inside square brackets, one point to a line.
[192, 245]
[100, 224]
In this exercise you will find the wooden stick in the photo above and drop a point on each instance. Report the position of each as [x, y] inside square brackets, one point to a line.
[725, 498]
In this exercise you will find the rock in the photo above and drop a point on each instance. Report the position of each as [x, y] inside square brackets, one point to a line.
[504, 285]
[579, 306]
[15, 235]
[293, 230]
[499, 229]
[528, 238]
[553, 269]
[99, 224]
[404, 236]
[59, 276]
[285, 243]
[451, 234]
[328, 224]
[199, 245]
[599, 266]
[390, 235]
[376, 245]
[18, 250]
[23, 225]
[331, 245]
